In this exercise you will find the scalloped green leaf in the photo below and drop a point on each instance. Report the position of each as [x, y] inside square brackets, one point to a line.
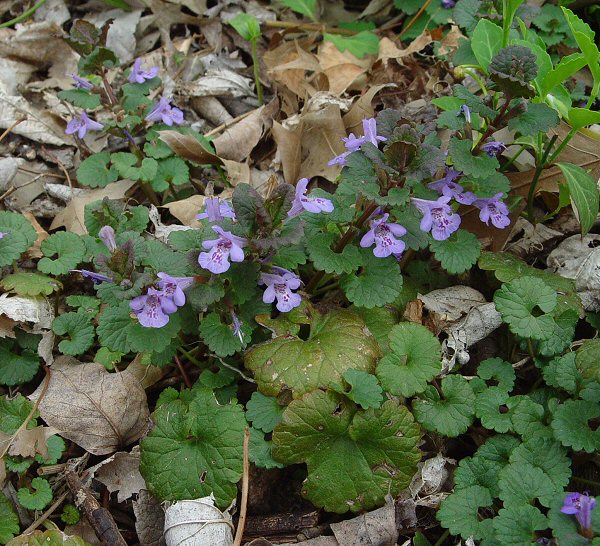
[79, 328]
[30, 284]
[338, 341]
[39, 499]
[48, 538]
[364, 389]
[194, 451]
[15, 368]
[9, 521]
[260, 450]
[516, 525]
[325, 259]
[69, 248]
[491, 408]
[80, 97]
[477, 166]
[459, 512]
[359, 45]
[95, 172]
[588, 359]
[450, 412]
[521, 483]
[498, 373]
[414, 360]
[263, 411]
[354, 457]
[525, 304]
[220, 337]
[571, 425]
[458, 253]
[378, 282]
[13, 411]
[18, 236]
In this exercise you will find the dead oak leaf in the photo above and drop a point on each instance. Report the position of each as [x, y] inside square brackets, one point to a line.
[98, 410]
[30, 442]
[121, 473]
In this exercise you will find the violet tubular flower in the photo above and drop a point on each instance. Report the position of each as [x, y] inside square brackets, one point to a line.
[163, 111]
[448, 4]
[107, 236]
[438, 217]
[215, 210]
[303, 203]
[97, 278]
[236, 326]
[173, 287]
[3, 234]
[383, 234]
[82, 125]
[370, 131]
[82, 83]
[580, 505]
[279, 286]
[494, 148]
[446, 186]
[226, 247]
[139, 75]
[465, 111]
[353, 143]
[492, 208]
[153, 309]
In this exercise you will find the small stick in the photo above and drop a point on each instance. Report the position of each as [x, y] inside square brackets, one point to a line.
[3, 135]
[245, 482]
[228, 124]
[186, 379]
[414, 19]
[309, 27]
[46, 514]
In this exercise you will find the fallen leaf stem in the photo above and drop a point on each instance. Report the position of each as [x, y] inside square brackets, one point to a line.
[239, 533]
[184, 375]
[39, 521]
[259, 92]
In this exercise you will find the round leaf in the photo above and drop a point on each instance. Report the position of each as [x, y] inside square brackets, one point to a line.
[70, 249]
[79, 327]
[517, 525]
[571, 428]
[459, 512]
[30, 284]
[19, 235]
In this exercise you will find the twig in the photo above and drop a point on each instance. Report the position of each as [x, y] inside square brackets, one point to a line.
[31, 413]
[7, 131]
[245, 482]
[186, 379]
[414, 19]
[310, 27]
[234, 369]
[63, 169]
[228, 124]
[46, 514]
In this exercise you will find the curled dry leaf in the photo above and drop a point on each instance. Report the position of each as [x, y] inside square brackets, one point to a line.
[97, 410]
[121, 473]
[38, 311]
[189, 148]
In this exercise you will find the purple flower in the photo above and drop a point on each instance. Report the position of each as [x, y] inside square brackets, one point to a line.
[491, 208]
[3, 234]
[82, 125]
[107, 236]
[82, 83]
[581, 506]
[465, 111]
[447, 4]
[173, 287]
[339, 159]
[216, 210]
[493, 148]
[310, 204]
[153, 309]
[237, 327]
[279, 286]
[353, 143]
[438, 217]
[370, 130]
[163, 111]
[226, 247]
[384, 234]
[138, 75]
[447, 186]
[96, 277]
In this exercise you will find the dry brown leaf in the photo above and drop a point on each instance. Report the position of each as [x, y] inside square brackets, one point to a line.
[30, 442]
[97, 410]
[289, 149]
[450, 42]
[149, 520]
[189, 148]
[342, 68]
[237, 172]
[34, 251]
[147, 375]
[38, 311]
[7, 327]
[237, 141]
[121, 473]
[362, 109]
[185, 210]
[72, 216]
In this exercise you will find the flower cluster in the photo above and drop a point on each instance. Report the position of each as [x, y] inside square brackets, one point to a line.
[353, 143]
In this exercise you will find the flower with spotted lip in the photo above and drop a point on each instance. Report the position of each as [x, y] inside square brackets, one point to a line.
[280, 284]
[226, 247]
[383, 234]
[438, 217]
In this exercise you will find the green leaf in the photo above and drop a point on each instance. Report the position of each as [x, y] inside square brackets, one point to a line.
[359, 45]
[527, 417]
[538, 118]
[451, 415]
[172, 170]
[30, 284]
[80, 97]
[95, 172]
[16, 369]
[304, 7]
[571, 425]
[79, 328]
[9, 521]
[354, 457]
[458, 253]
[584, 36]
[50, 538]
[588, 359]
[459, 512]
[521, 483]
[126, 165]
[584, 194]
[364, 389]
[260, 451]
[220, 337]
[19, 236]
[490, 407]
[498, 370]
[113, 327]
[179, 457]
[565, 527]
[562, 334]
[38, 500]
[378, 283]
[565, 68]
[582, 117]
[562, 373]
[13, 411]
[477, 166]
[380, 321]
[516, 525]
[201, 295]
[246, 25]
[338, 341]
[479, 470]
[325, 259]
[486, 42]
[70, 515]
[524, 305]
[70, 249]
[87, 304]
[263, 411]
[547, 455]
[56, 447]
[414, 360]
[161, 258]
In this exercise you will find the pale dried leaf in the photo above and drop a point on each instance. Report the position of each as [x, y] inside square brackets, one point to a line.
[97, 410]
[185, 210]
[149, 520]
[453, 302]
[218, 83]
[362, 109]
[146, 374]
[39, 311]
[189, 148]
[288, 64]
[45, 347]
[84, 530]
[54, 11]
[342, 68]
[7, 327]
[388, 49]
[527, 238]
[237, 172]
[162, 231]
[34, 251]
[121, 473]
[121, 34]
[72, 217]
[211, 109]
[30, 442]
[8, 170]
[431, 476]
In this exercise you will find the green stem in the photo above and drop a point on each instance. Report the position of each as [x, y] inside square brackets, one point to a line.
[505, 23]
[478, 80]
[440, 540]
[586, 481]
[513, 159]
[189, 357]
[24, 15]
[536, 178]
[259, 92]
[562, 145]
